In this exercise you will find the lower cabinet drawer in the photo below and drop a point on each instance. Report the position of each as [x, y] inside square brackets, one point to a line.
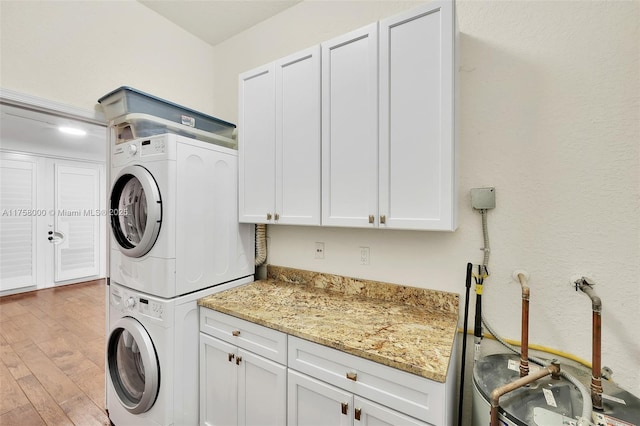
[264, 341]
[407, 393]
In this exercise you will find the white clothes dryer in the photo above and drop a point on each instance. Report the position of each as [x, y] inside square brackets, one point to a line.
[174, 216]
[152, 357]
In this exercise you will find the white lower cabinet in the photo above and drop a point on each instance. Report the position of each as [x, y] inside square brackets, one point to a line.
[315, 403]
[254, 375]
[238, 387]
[373, 392]
[311, 402]
[367, 413]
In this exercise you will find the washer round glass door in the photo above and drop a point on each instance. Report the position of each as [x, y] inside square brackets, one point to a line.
[133, 365]
[136, 211]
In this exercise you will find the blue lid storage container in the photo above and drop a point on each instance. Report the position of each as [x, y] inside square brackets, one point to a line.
[126, 100]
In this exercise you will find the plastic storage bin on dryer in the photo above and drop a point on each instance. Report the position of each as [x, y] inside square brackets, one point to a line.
[135, 114]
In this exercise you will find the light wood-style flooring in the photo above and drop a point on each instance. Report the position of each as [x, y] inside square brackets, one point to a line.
[52, 352]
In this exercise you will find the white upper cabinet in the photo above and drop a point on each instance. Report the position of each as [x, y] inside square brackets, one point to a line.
[279, 141]
[350, 129]
[388, 129]
[256, 145]
[417, 120]
[298, 138]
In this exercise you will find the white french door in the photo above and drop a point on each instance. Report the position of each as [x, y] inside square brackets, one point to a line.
[18, 198]
[52, 221]
[76, 221]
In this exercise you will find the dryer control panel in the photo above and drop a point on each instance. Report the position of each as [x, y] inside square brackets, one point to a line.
[144, 149]
[152, 147]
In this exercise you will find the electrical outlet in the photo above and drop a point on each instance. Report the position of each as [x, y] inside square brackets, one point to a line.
[319, 252]
[364, 255]
[483, 198]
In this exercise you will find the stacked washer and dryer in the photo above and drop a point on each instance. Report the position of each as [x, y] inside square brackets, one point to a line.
[175, 239]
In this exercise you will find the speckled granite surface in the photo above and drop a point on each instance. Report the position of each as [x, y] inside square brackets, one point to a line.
[408, 328]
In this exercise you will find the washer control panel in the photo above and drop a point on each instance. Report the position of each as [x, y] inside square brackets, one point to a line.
[150, 308]
[127, 302]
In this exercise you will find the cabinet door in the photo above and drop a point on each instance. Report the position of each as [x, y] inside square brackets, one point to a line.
[367, 413]
[256, 145]
[262, 391]
[349, 129]
[297, 161]
[417, 138]
[315, 403]
[218, 382]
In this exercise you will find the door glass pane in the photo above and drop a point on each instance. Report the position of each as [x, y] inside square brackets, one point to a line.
[129, 368]
[132, 208]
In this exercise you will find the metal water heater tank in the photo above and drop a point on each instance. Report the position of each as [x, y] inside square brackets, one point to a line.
[546, 402]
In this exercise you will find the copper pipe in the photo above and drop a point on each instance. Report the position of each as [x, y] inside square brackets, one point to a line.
[596, 382]
[524, 352]
[586, 286]
[553, 369]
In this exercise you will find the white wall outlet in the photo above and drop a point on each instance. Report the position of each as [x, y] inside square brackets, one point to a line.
[483, 198]
[364, 255]
[319, 251]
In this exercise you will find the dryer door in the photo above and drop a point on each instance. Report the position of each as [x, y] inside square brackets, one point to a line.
[136, 211]
[134, 370]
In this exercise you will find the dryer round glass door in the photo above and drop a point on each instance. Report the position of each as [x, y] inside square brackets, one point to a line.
[136, 211]
[133, 365]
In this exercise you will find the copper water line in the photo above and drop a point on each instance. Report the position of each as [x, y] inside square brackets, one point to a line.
[553, 369]
[524, 346]
[586, 286]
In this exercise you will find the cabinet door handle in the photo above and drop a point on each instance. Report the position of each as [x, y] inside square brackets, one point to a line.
[345, 408]
[383, 219]
[358, 413]
[231, 357]
[352, 376]
[235, 333]
[268, 216]
[238, 360]
[277, 216]
[371, 218]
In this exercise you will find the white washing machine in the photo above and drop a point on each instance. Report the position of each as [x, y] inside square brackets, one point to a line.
[174, 216]
[152, 357]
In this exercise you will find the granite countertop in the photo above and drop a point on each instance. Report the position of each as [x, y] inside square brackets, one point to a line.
[408, 328]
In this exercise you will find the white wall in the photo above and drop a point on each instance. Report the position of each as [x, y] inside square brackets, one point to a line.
[74, 52]
[549, 115]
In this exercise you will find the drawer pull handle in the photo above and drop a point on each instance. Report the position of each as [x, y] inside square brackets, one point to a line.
[238, 360]
[352, 376]
[345, 408]
[236, 333]
[358, 413]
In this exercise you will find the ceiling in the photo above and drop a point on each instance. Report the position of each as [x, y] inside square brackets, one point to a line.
[27, 130]
[217, 20]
